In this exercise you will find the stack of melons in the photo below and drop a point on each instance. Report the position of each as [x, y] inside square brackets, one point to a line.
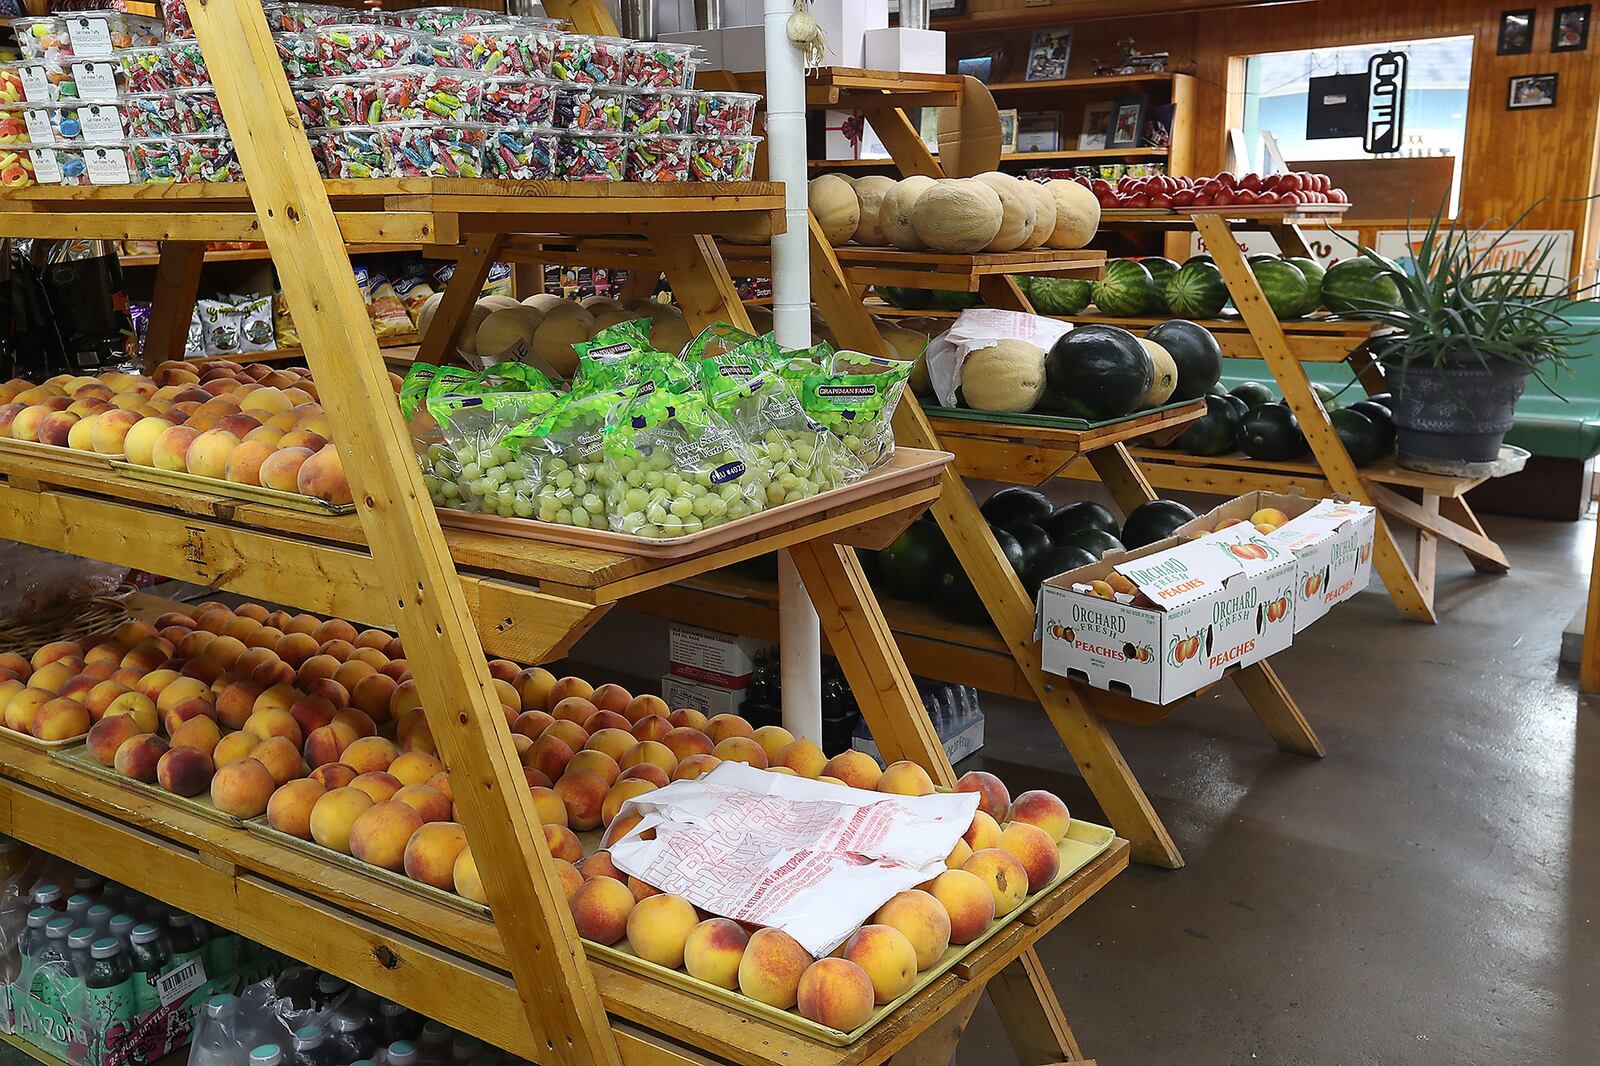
[992, 212]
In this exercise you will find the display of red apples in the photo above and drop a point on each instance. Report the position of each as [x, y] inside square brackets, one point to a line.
[1224, 190]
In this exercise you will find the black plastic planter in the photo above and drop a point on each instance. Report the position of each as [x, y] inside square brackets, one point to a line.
[1458, 412]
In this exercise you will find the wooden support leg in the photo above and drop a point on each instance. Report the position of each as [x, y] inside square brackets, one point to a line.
[1404, 588]
[1427, 547]
[554, 982]
[177, 287]
[640, 286]
[936, 1046]
[700, 282]
[1031, 1014]
[1589, 662]
[472, 269]
[1458, 510]
[905, 144]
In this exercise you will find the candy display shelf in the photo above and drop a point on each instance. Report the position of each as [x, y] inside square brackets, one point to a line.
[521, 981]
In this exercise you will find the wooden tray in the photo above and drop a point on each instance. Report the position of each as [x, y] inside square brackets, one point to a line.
[908, 468]
[179, 479]
[1267, 210]
[80, 758]
[34, 450]
[1002, 418]
[1082, 844]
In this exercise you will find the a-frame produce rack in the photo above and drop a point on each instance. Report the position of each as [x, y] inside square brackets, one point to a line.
[521, 981]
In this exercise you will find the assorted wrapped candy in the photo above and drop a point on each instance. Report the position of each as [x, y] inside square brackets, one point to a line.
[44, 81]
[718, 114]
[655, 112]
[175, 15]
[723, 158]
[345, 48]
[516, 100]
[592, 156]
[349, 99]
[503, 48]
[308, 102]
[207, 158]
[349, 152]
[188, 63]
[661, 158]
[656, 65]
[42, 37]
[155, 160]
[151, 115]
[522, 153]
[430, 150]
[10, 85]
[593, 60]
[440, 19]
[16, 166]
[590, 108]
[199, 111]
[298, 18]
[413, 93]
[14, 125]
[299, 55]
[144, 70]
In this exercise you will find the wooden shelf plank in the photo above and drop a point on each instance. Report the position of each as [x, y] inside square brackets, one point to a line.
[1006, 157]
[1083, 83]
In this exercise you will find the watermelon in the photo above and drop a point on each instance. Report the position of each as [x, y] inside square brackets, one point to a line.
[1364, 440]
[1215, 433]
[1261, 257]
[1253, 393]
[906, 298]
[1196, 290]
[1097, 372]
[1201, 257]
[956, 301]
[1014, 504]
[907, 565]
[1011, 548]
[1283, 285]
[1161, 268]
[1329, 398]
[1196, 352]
[954, 594]
[1153, 521]
[1271, 432]
[1094, 541]
[1126, 289]
[1078, 516]
[1033, 541]
[1057, 296]
[1056, 561]
[1358, 285]
[1380, 416]
[1313, 272]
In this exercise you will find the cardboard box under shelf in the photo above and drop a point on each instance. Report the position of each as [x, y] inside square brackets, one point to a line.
[710, 700]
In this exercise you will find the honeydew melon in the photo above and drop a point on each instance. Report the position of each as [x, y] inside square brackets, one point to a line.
[959, 216]
[894, 212]
[1007, 376]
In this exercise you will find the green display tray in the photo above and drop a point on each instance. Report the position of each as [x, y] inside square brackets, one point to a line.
[1001, 418]
[80, 758]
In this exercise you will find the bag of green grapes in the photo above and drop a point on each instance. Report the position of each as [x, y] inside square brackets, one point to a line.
[716, 339]
[572, 473]
[856, 400]
[482, 462]
[621, 355]
[795, 457]
[677, 466]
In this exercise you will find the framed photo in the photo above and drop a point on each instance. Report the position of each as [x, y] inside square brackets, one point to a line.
[1516, 33]
[1571, 30]
[1039, 131]
[1008, 130]
[1096, 126]
[1528, 92]
[980, 67]
[1127, 122]
[928, 127]
[1047, 56]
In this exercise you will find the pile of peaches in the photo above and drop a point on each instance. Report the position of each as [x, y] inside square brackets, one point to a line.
[252, 425]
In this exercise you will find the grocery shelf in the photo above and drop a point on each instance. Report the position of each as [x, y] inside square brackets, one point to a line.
[1055, 84]
[246, 255]
[855, 89]
[1005, 157]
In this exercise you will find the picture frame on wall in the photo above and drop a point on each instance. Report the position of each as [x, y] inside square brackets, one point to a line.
[1516, 33]
[1047, 55]
[1570, 30]
[1008, 130]
[1529, 92]
[935, 7]
[1127, 122]
[1039, 131]
[1096, 125]
[980, 67]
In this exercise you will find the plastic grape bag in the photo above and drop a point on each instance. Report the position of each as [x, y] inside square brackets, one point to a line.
[482, 461]
[716, 339]
[569, 448]
[622, 355]
[794, 456]
[856, 400]
[677, 467]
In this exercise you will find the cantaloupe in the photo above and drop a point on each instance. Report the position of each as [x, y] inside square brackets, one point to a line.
[870, 192]
[671, 335]
[1077, 214]
[1165, 378]
[564, 325]
[907, 344]
[833, 205]
[597, 303]
[1007, 376]
[894, 212]
[958, 215]
[1017, 211]
[508, 332]
[468, 341]
[544, 301]
[425, 313]
[498, 303]
[1045, 204]
[606, 317]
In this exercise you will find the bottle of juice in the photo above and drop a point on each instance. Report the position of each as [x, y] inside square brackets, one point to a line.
[327, 990]
[183, 939]
[397, 1022]
[267, 1055]
[91, 884]
[108, 987]
[312, 1047]
[352, 1036]
[121, 927]
[78, 905]
[401, 1053]
[33, 934]
[464, 1048]
[99, 918]
[148, 960]
[434, 1042]
[78, 941]
[53, 969]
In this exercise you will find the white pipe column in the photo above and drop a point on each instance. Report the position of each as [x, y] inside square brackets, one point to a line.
[800, 644]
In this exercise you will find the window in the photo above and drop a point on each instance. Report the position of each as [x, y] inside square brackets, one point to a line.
[1277, 89]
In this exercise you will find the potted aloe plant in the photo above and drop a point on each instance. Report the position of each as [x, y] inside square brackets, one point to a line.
[1470, 324]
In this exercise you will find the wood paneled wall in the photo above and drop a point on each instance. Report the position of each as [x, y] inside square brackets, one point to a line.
[1512, 158]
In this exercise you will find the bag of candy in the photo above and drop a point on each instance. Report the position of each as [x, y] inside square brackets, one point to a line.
[856, 399]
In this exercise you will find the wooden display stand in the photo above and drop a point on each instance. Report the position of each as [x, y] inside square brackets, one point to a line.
[521, 981]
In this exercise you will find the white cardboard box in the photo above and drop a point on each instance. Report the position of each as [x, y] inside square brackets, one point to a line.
[710, 700]
[905, 50]
[1258, 621]
[743, 48]
[844, 25]
[711, 657]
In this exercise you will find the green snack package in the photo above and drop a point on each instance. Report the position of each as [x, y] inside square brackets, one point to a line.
[677, 467]
[572, 472]
[798, 364]
[482, 461]
[858, 408]
[793, 455]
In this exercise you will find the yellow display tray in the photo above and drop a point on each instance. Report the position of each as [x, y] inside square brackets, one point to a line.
[1083, 843]
[35, 450]
[201, 805]
[34, 742]
[182, 479]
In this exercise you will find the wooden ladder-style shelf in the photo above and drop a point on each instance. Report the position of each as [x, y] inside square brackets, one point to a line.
[521, 981]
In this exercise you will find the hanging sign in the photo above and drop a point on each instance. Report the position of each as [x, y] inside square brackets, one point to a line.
[1386, 102]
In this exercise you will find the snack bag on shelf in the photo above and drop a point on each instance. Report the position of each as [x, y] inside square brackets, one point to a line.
[482, 462]
[676, 466]
[255, 323]
[388, 314]
[856, 400]
[794, 456]
[573, 475]
[220, 322]
[413, 289]
[283, 323]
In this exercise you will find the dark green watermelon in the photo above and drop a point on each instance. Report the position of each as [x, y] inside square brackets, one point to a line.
[1196, 290]
[1153, 521]
[1361, 438]
[1126, 289]
[954, 595]
[1261, 257]
[1014, 504]
[1199, 257]
[1097, 372]
[1196, 352]
[1057, 296]
[1011, 548]
[1358, 285]
[905, 567]
[906, 298]
[1283, 285]
[1078, 516]
[1313, 272]
[1239, 404]
[1271, 432]
[1033, 541]
[1161, 268]
[1094, 541]
[1214, 433]
[1380, 416]
[1329, 398]
[956, 301]
[1253, 393]
[1056, 561]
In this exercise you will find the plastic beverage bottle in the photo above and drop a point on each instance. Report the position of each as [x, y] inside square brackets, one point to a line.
[401, 1053]
[434, 1042]
[91, 884]
[114, 896]
[148, 960]
[266, 1055]
[215, 1042]
[99, 918]
[48, 895]
[297, 984]
[78, 941]
[33, 934]
[108, 987]
[312, 1047]
[327, 990]
[397, 1022]
[466, 1048]
[52, 972]
[78, 906]
[184, 939]
[121, 927]
[352, 1036]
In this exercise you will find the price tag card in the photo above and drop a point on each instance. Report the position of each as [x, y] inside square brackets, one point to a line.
[46, 168]
[40, 129]
[89, 36]
[36, 87]
[96, 80]
[105, 165]
[102, 123]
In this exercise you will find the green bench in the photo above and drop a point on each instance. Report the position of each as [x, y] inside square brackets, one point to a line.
[1563, 435]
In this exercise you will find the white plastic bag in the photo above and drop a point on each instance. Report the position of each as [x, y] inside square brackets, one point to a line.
[978, 329]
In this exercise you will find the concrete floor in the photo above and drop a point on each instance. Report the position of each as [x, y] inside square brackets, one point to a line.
[1424, 895]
